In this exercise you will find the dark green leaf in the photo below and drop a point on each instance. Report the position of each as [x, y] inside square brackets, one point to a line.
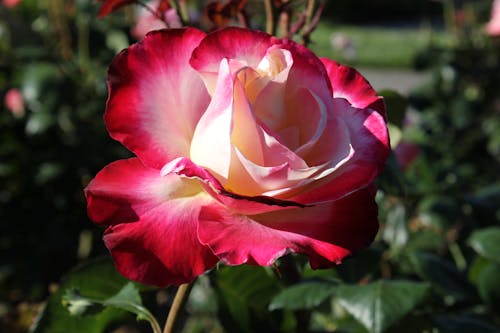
[396, 106]
[244, 295]
[357, 267]
[380, 304]
[391, 180]
[305, 295]
[488, 285]
[464, 324]
[486, 242]
[128, 299]
[442, 274]
[97, 280]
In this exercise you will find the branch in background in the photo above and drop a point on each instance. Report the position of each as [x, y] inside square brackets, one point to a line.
[285, 11]
[57, 15]
[270, 24]
[313, 21]
[181, 8]
[311, 4]
[243, 19]
[297, 26]
[158, 12]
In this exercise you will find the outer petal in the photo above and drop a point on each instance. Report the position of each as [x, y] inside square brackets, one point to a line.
[155, 97]
[348, 83]
[326, 233]
[153, 222]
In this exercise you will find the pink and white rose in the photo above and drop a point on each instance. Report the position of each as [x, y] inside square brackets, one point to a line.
[248, 147]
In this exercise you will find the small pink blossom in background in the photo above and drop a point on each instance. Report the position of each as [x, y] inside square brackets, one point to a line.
[10, 3]
[343, 44]
[14, 102]
[493, 26]
[146, 21]
[247, 148]
[406, 154]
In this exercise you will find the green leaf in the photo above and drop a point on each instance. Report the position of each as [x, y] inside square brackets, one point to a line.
[465, 323]
[395, 232]
[97, 280]
[391, 180]
[486, 242]
[361, 265]
[488, 285]
[244, 294]
[305, 295]
[380, 304]
[442, 274]
[396, 106]
[128, 299]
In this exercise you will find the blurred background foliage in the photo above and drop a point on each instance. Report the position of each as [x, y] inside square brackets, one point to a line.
[434, 266]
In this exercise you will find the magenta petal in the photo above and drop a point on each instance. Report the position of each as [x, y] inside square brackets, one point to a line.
[246, 46]
[326, 233]
[249, 47]
[348, 83]
[155, 97]
[153, 221]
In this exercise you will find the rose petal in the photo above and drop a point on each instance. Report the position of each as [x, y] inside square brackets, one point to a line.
[348, 83]
[369, 140]
[155, 98]
[250, 48]
[235, 202]
[211, 142]
[152, 222]
[246, 46]
[326, 233]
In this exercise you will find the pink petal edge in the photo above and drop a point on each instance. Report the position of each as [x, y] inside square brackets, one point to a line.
[150, 84]
[152, 222]
[326, 233]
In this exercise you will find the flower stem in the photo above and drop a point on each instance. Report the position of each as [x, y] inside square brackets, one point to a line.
[180, 299]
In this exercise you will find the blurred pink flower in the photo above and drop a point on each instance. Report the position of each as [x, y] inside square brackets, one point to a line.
[10, 3]
[146, 21]
[14, 102]
[493, 26]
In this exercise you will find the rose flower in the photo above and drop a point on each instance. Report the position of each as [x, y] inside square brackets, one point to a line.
[248, 147]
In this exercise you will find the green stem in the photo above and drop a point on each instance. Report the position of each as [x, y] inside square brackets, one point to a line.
[180, 299]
